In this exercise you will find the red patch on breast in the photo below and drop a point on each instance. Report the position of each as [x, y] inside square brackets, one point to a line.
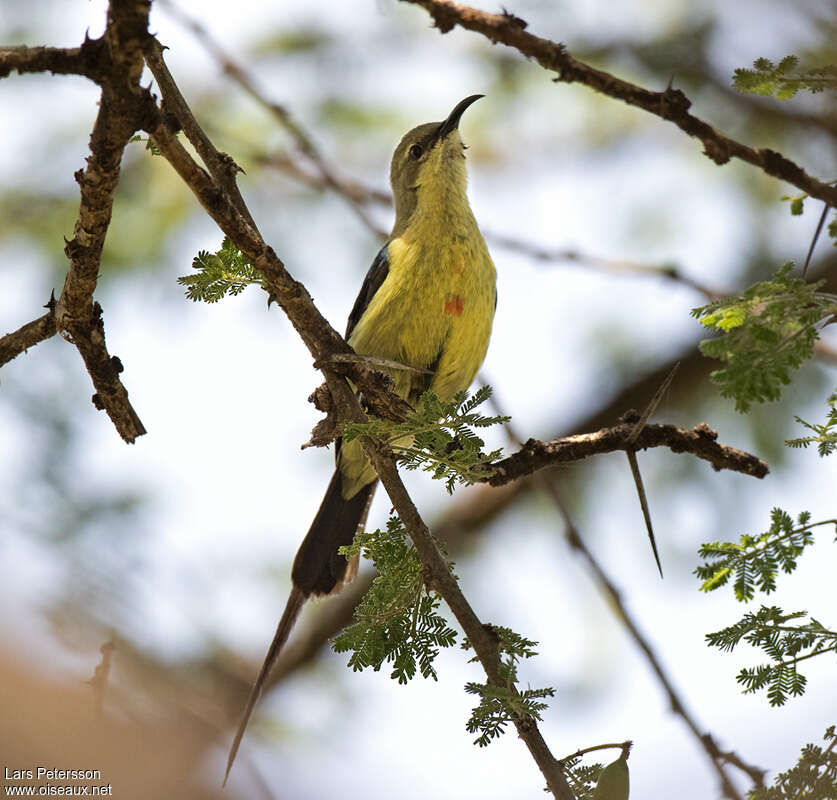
[455, 305]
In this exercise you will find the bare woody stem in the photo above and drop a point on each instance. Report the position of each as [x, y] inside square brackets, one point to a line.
[671, 105]
[115, 62]
[701, 441]
[28, 335]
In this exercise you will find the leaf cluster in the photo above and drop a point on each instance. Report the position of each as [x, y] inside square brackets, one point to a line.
[784, 79]
[149, 144]
[785, 644]
[397, 621]
[814, 776]
[765, 332]
[224, 272]
[501, 705]
[438, 437]
[824, 436]
[754, 560]
[754, 563]
[582, 777]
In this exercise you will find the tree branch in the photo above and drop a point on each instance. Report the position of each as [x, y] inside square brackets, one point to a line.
[91, 60]
[28, 335]
[115, 62]
[124, 108]
[701, 441]
[671, 105]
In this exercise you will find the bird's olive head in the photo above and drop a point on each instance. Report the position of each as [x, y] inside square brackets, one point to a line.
[429, 157]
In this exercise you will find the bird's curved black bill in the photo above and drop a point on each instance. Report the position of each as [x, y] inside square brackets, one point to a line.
[452, 122]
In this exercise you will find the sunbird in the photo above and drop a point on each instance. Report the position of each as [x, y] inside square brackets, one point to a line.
[428, 303]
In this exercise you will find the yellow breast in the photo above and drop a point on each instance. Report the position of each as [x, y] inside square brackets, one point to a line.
[434, 309]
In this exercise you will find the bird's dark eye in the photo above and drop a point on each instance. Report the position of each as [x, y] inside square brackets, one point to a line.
[416, 151]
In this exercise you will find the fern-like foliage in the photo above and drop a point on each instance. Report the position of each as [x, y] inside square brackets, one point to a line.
[438, 437]
[785, 644]
[753, 563]
[397, 621]
[823, 436]
[225, 272]
[755, 560]
[813, 777]
[766, 332]
[785, 79]
[149, 144]
[500, 705]
[582, 778]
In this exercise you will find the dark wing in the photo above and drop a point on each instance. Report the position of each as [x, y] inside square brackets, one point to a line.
[371, 283]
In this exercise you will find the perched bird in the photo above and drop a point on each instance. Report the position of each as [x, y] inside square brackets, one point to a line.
[427, 302]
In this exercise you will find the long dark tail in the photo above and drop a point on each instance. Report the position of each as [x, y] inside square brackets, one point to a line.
[286, 624]
[318, 569]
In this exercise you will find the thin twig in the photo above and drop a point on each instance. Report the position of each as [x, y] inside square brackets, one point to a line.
[814, 239]
[85, 60]
[627, 745]
[357, 192]
[439, 578]
[616, 265]
[115, 63]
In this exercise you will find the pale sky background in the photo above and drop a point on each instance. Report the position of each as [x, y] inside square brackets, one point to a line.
[222, 389]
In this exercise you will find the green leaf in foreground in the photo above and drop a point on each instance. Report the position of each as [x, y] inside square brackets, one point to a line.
[218, 274]
[824, 436]
[149, 144]
[613, 783]
[755, 560]
[784, 641]
[438, 437]
[813, 777]
[765, 333]
[500, 705]
[397, 621]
